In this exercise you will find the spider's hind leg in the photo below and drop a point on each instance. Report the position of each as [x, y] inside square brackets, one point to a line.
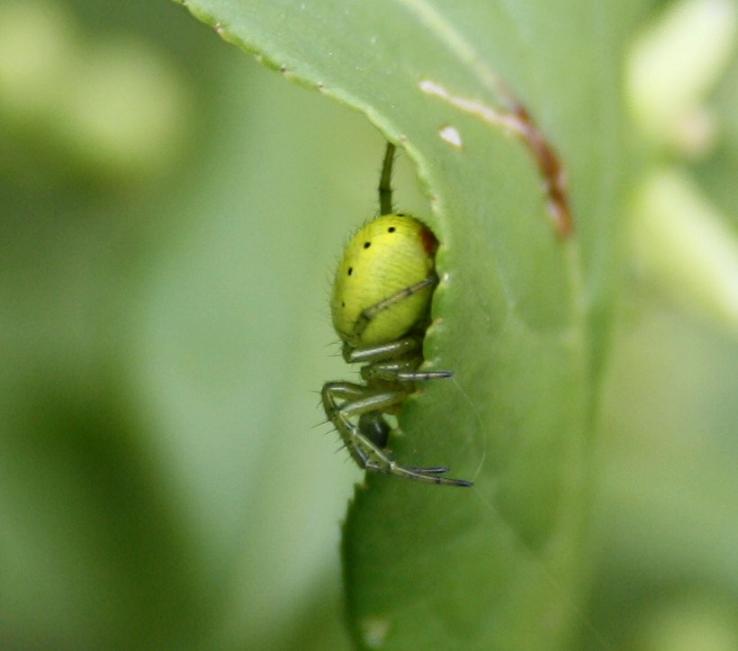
[385, 180]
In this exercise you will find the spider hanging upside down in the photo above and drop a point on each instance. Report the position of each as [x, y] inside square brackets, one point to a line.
[381, 309]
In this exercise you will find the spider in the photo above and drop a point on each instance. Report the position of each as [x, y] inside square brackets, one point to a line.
[381, 308]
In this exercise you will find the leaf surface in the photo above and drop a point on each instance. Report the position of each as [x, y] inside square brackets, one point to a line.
[521, 315]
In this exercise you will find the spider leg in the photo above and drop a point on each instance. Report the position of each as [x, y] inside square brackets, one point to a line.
[432, 470]
[418, 474]
[395, 361]
[423, 376]
[385, 180]
[371, 312]
[364, 451]
[397, 349]
[404, 371]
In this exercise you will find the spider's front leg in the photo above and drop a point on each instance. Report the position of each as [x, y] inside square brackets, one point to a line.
[396, 361]
[400, 371]
[358, 400]
[344, 400]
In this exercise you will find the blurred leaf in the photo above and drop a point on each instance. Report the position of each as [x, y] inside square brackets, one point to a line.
[673, 65]
[682, 243]
[157, 491]
[686, 247]
[93, 544]
[521, 317]
[113, 110]
[216, 359]
[666, 515]
[717, 173]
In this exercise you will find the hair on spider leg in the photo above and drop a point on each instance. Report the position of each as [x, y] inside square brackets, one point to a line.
[327, 421]
[330, 430]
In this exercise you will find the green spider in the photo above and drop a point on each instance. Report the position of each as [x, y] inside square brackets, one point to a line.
[380, 308]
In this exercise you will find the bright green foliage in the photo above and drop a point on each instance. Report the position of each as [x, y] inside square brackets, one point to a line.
[522, 317]
[171, 216]
[165, 324]
[384, 257]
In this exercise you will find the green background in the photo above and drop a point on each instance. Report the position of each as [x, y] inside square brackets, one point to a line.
[169, 231]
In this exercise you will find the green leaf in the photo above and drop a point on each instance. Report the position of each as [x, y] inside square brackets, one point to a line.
[521, 315]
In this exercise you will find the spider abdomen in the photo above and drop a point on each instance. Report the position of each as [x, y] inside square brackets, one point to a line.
[385, 257]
